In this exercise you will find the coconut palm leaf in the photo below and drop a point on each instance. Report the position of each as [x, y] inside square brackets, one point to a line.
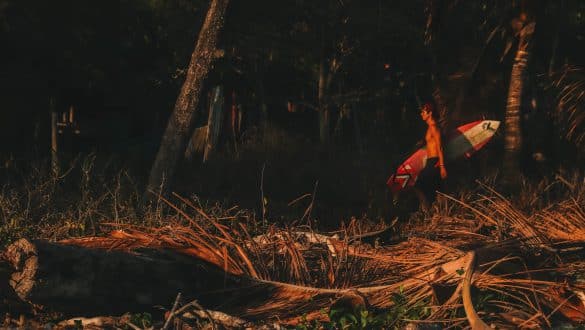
[569, 112]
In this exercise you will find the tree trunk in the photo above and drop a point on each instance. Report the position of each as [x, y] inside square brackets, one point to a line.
[180, 122]
[214, 121]
[513, 129]
[74, 279]
[197, 142]
[54, 138]
[553, 58]
[323, 107]
[439, 99]
[261, 98]
[356, 130]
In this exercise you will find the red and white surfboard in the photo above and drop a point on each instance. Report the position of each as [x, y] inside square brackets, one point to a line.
[462, 142]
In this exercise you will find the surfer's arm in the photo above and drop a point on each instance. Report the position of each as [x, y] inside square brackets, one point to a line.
[441, 165]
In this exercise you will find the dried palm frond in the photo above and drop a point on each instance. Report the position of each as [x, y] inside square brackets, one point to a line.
[528, 271]
[569, 113]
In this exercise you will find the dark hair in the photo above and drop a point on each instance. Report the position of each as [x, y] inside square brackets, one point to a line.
[430, 107]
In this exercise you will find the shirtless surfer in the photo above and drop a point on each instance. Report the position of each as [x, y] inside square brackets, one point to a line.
[430, 177]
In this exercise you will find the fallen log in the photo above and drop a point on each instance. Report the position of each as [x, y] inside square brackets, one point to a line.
[77, 280]
[74, 280]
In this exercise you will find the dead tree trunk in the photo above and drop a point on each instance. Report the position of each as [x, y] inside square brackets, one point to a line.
[180, 122]
[204, 138]
[77, 280]
[214, 122]
[197, 142]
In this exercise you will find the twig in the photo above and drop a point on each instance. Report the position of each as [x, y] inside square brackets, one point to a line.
[310, 207]
[188, 203]
[298, 199]
[368, 234]
[196, 304]
[172, 313]
[132, 325]
[567, 183]
[560, 305]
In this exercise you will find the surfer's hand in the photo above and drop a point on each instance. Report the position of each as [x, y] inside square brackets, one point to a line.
[443, 172]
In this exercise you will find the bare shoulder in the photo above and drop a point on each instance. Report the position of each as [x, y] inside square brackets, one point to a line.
[435, 131]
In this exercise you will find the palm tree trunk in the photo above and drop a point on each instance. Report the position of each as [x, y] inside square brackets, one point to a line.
[181, 120]
[513, 128]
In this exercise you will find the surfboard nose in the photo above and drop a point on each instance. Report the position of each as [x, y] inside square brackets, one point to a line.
[491, 125]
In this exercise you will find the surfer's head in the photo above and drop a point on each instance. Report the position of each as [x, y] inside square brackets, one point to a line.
[427, 111]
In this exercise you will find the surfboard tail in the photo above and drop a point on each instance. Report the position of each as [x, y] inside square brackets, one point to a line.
[397, 182]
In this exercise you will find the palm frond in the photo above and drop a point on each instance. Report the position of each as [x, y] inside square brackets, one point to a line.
[569, 113]
[526, 274]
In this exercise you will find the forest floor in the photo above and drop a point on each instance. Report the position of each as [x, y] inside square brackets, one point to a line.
[476, 258]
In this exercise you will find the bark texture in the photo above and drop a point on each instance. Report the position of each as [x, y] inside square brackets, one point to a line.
[75, 280]
[513, 128]
[179, 125]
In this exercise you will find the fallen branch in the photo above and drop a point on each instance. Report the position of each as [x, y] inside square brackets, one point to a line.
[172, 313]
[474, 320]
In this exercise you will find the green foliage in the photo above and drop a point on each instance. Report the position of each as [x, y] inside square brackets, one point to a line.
[347, 318]
[142, 320]
[404, 309]
[361, 318]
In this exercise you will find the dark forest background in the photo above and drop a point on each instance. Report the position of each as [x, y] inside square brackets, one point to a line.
[121, 64]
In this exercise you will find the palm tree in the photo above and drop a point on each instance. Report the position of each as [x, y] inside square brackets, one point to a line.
[179, 124]
[512, 121]
[515, 34]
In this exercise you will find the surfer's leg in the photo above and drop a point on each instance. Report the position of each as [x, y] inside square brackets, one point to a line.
[428, 183]
[423, 198]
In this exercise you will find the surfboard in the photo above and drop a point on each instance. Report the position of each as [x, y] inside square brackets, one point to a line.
[464, 141]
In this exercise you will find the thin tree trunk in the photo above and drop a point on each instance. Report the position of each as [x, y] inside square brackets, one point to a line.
[323, 108]
[261, 98]
[181, 120]
[553, 58]
[54, 138]
[214, 121]
[356, 129]
[440, 104]
[513, 128]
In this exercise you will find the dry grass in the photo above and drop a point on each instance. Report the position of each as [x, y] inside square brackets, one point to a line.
[528, 273]
[527, 269]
